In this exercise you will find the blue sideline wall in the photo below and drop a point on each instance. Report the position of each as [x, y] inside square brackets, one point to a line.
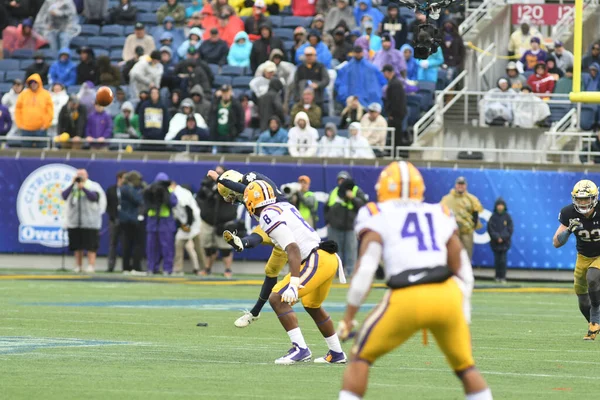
[534, 199]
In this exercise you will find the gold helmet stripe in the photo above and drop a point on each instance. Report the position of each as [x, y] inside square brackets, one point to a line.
[404, 180]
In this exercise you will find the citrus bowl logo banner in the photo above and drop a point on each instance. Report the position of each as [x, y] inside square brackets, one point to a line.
[40, 205]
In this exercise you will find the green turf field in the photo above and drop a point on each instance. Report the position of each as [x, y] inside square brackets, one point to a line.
[109, 339]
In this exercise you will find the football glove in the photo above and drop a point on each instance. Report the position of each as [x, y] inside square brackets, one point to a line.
[290, 295]
[574, 225]
[346, 332]
[233, 240]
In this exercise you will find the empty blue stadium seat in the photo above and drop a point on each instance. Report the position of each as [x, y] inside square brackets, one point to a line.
[588, 116]
[334, 119]
[343, 133]
[89, 30]
[117, 43]
[73, 89]
[21, 54]
[287, 45]
[78, 41]
[101, 52]
[148, 19]
[221, 80]
[15, 74]
[248, 72]
[527, 74]
[114, 4]
[128, 30]
[116, 55]
[155, 6]
[231, 70]
[558, 111]
[98, 42]
[276, 21]
[9, 65]
[294, 22]
[241, 82]
[23, 64]
[5, 87]
[49, 54]
[111, 30]
[1, 76]
[405, 12]
[284, 33]
[214, 68]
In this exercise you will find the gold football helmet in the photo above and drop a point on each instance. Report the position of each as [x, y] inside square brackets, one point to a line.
[585, 196]
[400, 180]
[229, 195]
[258, 194]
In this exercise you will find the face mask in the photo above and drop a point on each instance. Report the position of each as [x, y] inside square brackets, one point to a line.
[448, 44]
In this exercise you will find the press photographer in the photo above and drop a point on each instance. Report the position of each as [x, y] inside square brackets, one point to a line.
[299, 194]
[131, 220]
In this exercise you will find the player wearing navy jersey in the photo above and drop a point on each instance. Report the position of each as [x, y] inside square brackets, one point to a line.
[231, 186]
[582, 218]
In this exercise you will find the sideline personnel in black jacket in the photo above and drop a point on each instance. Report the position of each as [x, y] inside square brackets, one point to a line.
[500, 229]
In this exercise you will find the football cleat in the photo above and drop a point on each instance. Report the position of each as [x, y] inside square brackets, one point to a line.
[593, 330]
[295, 355]
[332, 357]
[233, 240]
[245, 319]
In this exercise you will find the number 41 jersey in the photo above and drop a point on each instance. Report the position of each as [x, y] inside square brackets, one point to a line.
[588, 238]
[414, 234]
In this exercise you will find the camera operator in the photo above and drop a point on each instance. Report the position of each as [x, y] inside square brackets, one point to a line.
[131, 220]
[187, 214]
[86, 202]
[160, 224]
[216, 215]
[303, 199]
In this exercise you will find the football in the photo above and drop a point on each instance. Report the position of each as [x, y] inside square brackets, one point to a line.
[104, 96]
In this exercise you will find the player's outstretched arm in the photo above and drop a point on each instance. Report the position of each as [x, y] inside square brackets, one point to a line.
[563, 232]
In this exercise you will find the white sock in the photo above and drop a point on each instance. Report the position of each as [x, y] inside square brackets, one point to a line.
[296, 337]
[333, 342]
[346, 395]
[483, 395]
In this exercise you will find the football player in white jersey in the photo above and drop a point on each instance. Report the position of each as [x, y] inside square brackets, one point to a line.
[429, 278]
[313, 266]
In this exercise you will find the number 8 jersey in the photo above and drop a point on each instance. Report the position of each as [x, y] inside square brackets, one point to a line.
[299, 231]
[414, 236]
[588, 238]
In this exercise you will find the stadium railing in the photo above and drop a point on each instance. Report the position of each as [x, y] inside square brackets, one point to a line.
[475, 15]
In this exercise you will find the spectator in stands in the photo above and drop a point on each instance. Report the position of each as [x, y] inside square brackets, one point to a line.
[172, 9]
[39, 66]
[174, 102]
[358, 145]
[270, 104]
[364, 7]
[302, 138]
[262, 48]
[565, 84]
[532, 57]
[63, 70]
[389, 55]
[168, 28]
[21, 37]
[115, 107]
[420, 19]
[342, 12]
[214, 50]
[531, 109]
[195, 7]
[57, 22]
[514, 78]
[331, 145]
[520, 39]
[318, 26]
[142, 98]
[249, 111]
[138, 38]
[193, 40]
[340, 213]
[154, 117]
[5, 121]
[360, 78]
[553, 70]
[395, 106]
[239, 52]
[353, 112]
[369, 41]
[593, 56]
[9, 100]
[304, 8]
[201, 20]
[215, 213]
[428, 69]
[220, 5]
[564, 58]
[127, 123]
[311, 74]
[124, 14]
[591, 79]
[87, 70]
[374, 128]
[59, 99]
[256, 20]
[99, 125]
[72, 120]
[17, 10]
[497, 104]
[299, 40]
[194, 71]
[341, 48]
[412, 64]
[166, 42]
[541, 81]
[108, 75]
[191, 132]
[87, 96]
[274, 133]
[500, 229]
[228, 26]
[260, 84]
[395, 25]
[453, 50]
[285, 70]
[309, 107]
[226, 116]
[95, 12]
[146, 74]
[314, 41]
[85, 203]
[139, 52]
[178, 121]
[201, 105]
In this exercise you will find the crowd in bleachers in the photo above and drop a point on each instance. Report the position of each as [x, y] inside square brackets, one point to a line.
[229, 70]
